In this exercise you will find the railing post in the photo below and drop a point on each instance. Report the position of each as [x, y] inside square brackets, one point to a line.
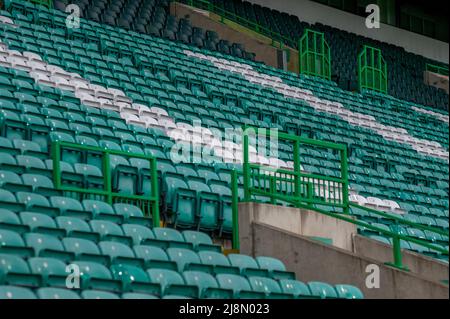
[234, 208]
[56, 150]
[246, 168]
[273, 190]
[345, 184]
[107, 177]
[155, 193]
[297, 170]
[397, 251]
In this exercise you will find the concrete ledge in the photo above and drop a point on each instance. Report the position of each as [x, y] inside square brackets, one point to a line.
[424, 266]
[234, 32]
[312, 260]
[299, 221]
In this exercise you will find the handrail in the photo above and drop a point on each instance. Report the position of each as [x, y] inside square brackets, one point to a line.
[295, 199]
[224, 14]
[107, 191]
[437, 69]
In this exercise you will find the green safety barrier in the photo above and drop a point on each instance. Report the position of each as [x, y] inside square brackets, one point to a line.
[305, 200]
[278, 40]
[314, 55]
[148, 204]
[372, 70]
[437, 69]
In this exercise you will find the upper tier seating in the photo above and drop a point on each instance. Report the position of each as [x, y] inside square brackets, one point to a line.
[405, 70]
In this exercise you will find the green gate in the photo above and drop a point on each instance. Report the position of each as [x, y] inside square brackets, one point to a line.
[372, 70]
[314, 55]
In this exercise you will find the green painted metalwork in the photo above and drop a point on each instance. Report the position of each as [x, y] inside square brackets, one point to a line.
[437, 69]
[278, 40]
[302, 199]
[148, 204]
[234, 206]
[372, 70]
[314, 55]
[294, 185]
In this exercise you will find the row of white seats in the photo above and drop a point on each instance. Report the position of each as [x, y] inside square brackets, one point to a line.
[400, 135]
[440, 116]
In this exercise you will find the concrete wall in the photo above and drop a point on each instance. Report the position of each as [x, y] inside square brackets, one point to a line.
[424, 266]
[230, 31]
[312, 260]
[313, 12]
[299, 221]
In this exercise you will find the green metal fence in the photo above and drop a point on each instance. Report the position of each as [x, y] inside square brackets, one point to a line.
[295, 186]
[278, 40]
[300, 197]
[372, 70]
[437, 69]
[314, 55]
[149, 204]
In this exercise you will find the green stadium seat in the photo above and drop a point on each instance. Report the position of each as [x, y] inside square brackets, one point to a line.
[12, 243]
[275, 267]
[207, 285]
[119, 253]
[201, 241]
[171, 283]
[41, 223]
[240, 286]
[109, 231]
[52, 271]
[13, 292]
[297, 288]
[97, 277]
[96, 294]
[139, 233]
[47, 246]
[349, 292]
[14, 271]
[322, 290]
[56, 293]
[247, 265]
[154, 257]
[133, 295]
[135, 279]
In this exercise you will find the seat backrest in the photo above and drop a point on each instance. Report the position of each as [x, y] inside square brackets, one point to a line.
[167, 234]
[80, 246]
[115, 249]
[165, 277]
[270, 263]
[150, 253]
[196, 237]
[200, 279]
[242, 261]
[213, 258]
[47, 266]
[234, 282]
[322, 289]
[266, 285]
[294, 287]
[56, 293]
[41, 241]
[137, 232]
[105, 227]
[11, 263]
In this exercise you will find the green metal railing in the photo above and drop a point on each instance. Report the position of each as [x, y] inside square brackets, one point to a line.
[437, 69]
[294, 185]
[314, 55]
[304, 200]
[278, 40]
[372, 70]
[149, 204]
